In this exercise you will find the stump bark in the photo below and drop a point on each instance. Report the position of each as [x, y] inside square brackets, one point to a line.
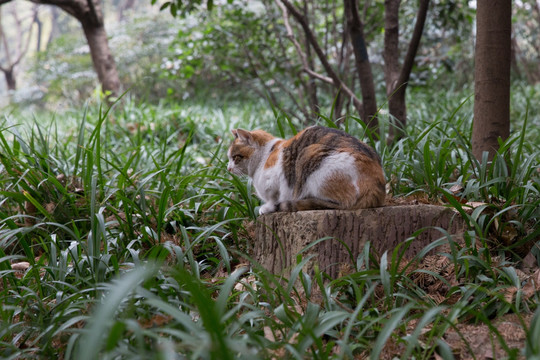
[281, 236]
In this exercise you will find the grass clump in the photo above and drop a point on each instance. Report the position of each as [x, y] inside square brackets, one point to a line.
[123, 236]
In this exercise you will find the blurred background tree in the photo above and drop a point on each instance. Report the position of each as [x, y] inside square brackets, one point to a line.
[90, 15]
[14, 50]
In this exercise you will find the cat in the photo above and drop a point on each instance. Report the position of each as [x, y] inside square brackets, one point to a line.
[319, 168]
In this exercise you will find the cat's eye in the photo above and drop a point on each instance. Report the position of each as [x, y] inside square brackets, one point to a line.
[237, 158]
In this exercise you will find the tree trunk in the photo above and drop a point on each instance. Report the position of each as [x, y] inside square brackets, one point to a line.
[391, 45]
[10, 78]
[282, 236]
[394, 91]
[39, 31]
[55, 27]
[397, 77]
[492, 76]
[363, 66]
[89, 14]
[102, 58]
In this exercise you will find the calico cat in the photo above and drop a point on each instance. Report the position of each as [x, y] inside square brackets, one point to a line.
[319, 168]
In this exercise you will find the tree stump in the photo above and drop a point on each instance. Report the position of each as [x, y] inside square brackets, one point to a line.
[281, 236]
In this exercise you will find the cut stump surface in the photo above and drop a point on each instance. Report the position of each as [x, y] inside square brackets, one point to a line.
[281, 236]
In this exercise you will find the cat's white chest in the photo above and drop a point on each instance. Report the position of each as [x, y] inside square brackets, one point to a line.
[270, 183]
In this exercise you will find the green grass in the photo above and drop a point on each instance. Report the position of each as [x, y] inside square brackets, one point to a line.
[135, 235]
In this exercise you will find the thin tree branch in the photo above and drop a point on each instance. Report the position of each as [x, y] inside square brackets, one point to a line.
[322, 57]
[290, 34]
[39, 28]
[76, 8]
[6, 45]
[23, 49]
[321, 77]
[301, 54]
[311, 85]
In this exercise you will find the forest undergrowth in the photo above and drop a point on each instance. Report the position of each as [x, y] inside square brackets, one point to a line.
[123, 236]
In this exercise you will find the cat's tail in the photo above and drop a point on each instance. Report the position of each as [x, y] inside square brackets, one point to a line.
[307, 204]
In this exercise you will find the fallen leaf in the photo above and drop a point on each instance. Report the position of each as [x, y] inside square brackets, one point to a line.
[509, 294]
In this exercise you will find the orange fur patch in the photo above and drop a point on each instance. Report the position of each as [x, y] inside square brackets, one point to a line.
[261, 137]
[239, 148]
[339, 188]
[372, 184]
[246, 152]
[274, 155]
[371, 169]
[288, 142]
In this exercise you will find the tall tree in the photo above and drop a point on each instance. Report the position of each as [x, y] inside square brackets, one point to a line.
[363, 66]
[396, 76]
[492, 76]
[90, 16]
[55, 27]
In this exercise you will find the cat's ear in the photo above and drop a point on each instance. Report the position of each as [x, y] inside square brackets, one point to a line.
[243, 135]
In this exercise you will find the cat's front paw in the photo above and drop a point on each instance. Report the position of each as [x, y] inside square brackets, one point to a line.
[267, 208]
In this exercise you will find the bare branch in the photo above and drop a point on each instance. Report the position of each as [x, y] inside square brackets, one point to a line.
[23, 46]
[321, 77]
[86, 11]
[5, 43]
[290, 34]
[322, 57]
[296, 44]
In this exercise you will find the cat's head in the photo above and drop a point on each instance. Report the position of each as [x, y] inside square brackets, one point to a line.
[244, 152]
